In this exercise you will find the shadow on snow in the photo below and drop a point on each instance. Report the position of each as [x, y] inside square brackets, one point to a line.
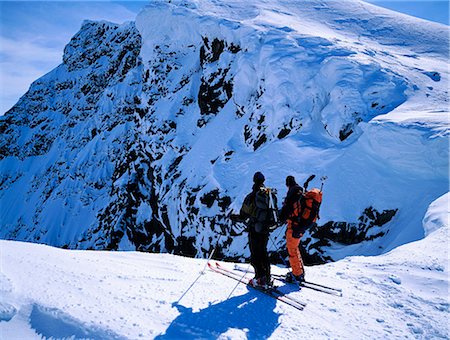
[252, 312]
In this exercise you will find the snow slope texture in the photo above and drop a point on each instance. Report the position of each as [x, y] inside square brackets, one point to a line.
[130, 295]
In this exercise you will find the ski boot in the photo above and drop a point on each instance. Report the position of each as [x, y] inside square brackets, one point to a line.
[261, 282]
[291, 278]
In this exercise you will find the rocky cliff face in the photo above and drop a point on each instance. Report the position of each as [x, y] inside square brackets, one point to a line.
[148, 138]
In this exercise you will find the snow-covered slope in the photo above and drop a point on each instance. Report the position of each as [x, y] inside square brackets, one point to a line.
[147, 137]
[116, 295]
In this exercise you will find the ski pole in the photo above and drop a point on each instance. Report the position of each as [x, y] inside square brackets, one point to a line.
[275, 246]
[323, 179]
[272, 206]
[275, 213]
[275, 216]
[210, 256]
[240, 280]
[201, 273]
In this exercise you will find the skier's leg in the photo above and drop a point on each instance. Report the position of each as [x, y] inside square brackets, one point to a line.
[265, 255]
[259, 251]
[295, 259]
[253, 249]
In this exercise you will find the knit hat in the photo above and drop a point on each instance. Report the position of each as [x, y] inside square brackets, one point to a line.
[258, 178]
[290, 181]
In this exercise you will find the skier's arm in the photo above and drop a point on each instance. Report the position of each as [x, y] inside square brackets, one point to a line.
[237, 217]
[292, 196]
[286, 209]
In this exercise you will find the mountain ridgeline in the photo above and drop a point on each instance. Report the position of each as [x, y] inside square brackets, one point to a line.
[148, 134]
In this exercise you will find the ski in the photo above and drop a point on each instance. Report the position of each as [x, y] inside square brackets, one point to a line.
[219, 266]
[323, 286]
[306, 284]
[280, 295]
[311, 285]
[274, 293]
[320, 288]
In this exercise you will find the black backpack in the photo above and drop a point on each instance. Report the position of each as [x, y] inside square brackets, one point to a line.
[265, 210]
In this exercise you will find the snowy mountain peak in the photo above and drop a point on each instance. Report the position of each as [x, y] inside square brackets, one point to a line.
[147, 136]
[97, 40]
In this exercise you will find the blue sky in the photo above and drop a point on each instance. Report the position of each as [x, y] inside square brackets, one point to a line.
[426, 9]
[33, 33]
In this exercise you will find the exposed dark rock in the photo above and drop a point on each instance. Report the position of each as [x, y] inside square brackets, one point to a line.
[187, 101]
[201, 122]
[175, 163]
[345, 132]
[247, 133]
[224, 202]
[259, 142]
[210, 99]
[228, 155]
[217, 49]
[283, 133]
[185, 246]
[209, 198]
[234, 48]
[217, 88]
[345, 233]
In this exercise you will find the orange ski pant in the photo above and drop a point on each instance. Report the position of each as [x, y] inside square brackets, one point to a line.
[295, 258]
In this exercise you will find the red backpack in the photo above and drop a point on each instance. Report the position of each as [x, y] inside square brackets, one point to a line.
[307, 208]
[310, 202]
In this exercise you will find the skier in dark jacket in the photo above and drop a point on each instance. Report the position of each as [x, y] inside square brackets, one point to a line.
[291, 212]
[257, 204]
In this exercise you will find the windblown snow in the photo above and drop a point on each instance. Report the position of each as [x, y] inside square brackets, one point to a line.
[147, 136]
